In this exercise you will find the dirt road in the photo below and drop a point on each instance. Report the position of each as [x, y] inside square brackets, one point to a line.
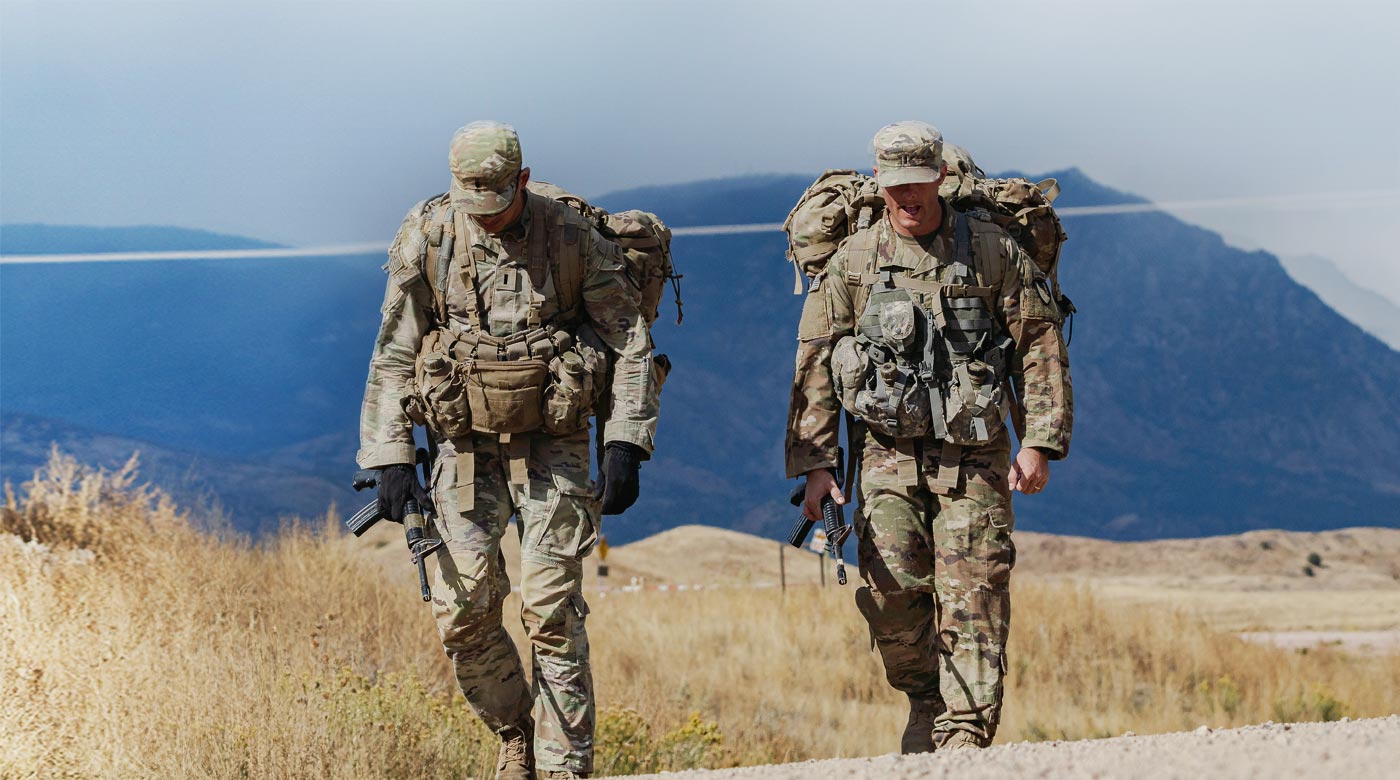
[1360, 748]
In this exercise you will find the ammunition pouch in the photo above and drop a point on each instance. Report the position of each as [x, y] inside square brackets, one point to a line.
[577, 379]
[540, 379]
[889, 396]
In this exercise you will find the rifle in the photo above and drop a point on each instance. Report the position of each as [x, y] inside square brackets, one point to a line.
[833, 518]
[414, 523]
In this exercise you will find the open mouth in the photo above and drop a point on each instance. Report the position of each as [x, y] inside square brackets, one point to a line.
[911, 211]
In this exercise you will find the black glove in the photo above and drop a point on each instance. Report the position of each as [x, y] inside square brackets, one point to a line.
[617, 477]
[397, 484]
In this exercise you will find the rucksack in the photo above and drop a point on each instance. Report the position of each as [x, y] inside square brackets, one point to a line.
[646, 243]
[842, 202]
[643, 237]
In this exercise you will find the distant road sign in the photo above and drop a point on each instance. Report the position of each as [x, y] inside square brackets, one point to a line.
[818, 544]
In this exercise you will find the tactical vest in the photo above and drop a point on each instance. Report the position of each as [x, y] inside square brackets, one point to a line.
[928, 358]
[547, 377]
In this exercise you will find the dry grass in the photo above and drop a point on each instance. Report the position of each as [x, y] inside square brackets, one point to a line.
[133, 645]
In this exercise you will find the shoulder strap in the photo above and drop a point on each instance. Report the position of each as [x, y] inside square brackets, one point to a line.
[563, 244]
[438, 226]
[862, 262]
[984, 251]
[462, 255]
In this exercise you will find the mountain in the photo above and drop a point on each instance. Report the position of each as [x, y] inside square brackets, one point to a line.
[38, 239]
[1213, 393]
[1368, 309]
[256, 496]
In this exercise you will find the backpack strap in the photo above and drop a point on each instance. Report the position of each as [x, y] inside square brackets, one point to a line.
[565, 258]
[862, 266]
[464, 256]
[437, 224]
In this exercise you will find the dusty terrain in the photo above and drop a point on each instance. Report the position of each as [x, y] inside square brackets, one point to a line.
[1362, 748]
[1254, 583]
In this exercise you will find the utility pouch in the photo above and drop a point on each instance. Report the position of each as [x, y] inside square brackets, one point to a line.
[850, 370]
[576, 380]
[506, 396]
[438, 394]
[894, 402]
[976, 403]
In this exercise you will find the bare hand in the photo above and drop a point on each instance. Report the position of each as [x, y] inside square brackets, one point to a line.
[820, 484]
[1029, 472]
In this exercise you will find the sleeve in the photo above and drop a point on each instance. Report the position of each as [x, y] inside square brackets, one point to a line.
[613, 304]
[1040, 360]
[386, 433]
[814, 412]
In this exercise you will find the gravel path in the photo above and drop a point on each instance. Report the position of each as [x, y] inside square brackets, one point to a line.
[1345, 749]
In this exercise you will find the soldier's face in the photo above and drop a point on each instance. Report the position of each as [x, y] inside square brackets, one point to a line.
[495, 223]
[913, 208]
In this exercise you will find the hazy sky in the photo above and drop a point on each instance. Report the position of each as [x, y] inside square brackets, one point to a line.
[310, 123]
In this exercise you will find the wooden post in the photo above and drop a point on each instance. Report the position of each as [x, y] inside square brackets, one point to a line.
[821, 564]
[782, 567]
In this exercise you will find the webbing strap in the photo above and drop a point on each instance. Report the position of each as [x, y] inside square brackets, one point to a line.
[465, 257]
[440, 254]
[466, 475]
[566, 265]
[517, 449]
[949, 467]
[907, 465]
[922, 285]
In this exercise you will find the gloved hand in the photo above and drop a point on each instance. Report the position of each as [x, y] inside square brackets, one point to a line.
[397, 484]
[617, 476]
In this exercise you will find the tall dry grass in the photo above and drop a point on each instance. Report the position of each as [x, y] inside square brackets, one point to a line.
[134, 645]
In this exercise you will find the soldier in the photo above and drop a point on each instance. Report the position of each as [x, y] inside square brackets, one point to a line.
[917, 326]
[503, 311]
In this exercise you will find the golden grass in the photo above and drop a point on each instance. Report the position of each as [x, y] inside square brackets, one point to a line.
[134, 645]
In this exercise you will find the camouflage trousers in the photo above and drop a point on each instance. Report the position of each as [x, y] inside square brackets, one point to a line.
[938, 570]
[557, 519]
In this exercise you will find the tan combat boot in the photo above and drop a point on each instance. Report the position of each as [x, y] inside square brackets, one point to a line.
[960, 740]
[918, 733]
[517, 757]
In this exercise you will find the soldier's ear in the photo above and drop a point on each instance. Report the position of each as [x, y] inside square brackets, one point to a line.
[524, 176]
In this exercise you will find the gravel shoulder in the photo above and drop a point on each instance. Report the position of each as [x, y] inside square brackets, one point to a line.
[1359, 748]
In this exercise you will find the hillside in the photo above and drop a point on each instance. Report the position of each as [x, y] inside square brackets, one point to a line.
[258, 495]
[1213, 393]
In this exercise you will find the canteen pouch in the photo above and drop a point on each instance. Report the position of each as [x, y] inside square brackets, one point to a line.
[895, 402]
[506, 396]
[976, 403]
[438, 394]
[576, 381]
[850, 369]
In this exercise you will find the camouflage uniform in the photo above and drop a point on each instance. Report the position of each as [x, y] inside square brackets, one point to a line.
[481, 480]
[936, 561]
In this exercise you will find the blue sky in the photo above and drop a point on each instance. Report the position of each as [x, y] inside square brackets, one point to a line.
[312, 123]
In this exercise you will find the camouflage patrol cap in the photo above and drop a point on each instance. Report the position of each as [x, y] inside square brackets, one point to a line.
[908, 153]
[485, 161]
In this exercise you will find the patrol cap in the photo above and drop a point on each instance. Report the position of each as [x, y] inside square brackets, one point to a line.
[485, 162]
[908, 153]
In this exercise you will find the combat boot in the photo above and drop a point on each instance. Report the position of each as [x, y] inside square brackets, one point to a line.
[918, 732]
[960, 740]
[562, 774]
[517, 757]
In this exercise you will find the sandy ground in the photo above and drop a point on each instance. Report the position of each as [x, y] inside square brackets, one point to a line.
[1346, 749]
[1365, 642]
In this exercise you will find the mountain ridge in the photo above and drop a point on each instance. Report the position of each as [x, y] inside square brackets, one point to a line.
[1214, 393]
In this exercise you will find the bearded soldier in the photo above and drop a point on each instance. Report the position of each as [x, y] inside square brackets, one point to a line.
[928, 326]
[504, 316]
